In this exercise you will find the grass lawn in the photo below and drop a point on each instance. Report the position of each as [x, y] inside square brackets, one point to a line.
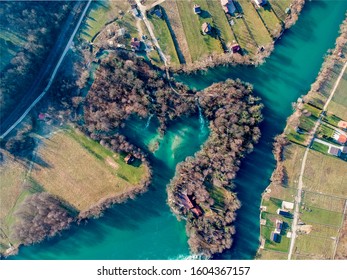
[323, 201]
[272, 255]
[296, 137]
[256, 26]
[279, 7]
[307, 123]
[323, 231]
[243, 37]
[293, 155]
[338, 106]
[282, 246]
[99, 14]
[325, 174]
[314, 247]
[325, 131]
[320, 216]
[163, 35]
[320, 147]
[81, 171]
[220, 21]
[271, 20]
[192, 29]
[172, 14]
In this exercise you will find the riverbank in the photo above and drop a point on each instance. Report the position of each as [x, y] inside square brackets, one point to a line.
[308, 203]
[169, 33]
[65, 167]
[140, 220]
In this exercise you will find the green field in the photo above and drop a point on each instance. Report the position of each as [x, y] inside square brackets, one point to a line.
[319, 147]
[82, 172]
[279, 7]
[220, 21]
[255, 24]
[325, 174]
[315, 247]
[339, 102]
[282, 246]
[198, 47]
[270, 20]
[321, 216]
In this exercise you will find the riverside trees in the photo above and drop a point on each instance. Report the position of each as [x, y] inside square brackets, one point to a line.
[126, 85]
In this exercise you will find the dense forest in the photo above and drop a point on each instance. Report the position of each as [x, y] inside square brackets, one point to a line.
[205, 182]
[32, 27]
[202, 188]
[125, 85]
[41, 215]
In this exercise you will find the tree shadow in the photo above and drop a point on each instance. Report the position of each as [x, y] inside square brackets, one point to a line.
[205, 14]
[238, 7]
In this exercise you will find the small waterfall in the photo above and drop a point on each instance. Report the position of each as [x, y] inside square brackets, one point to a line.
[201, 118]
[149, 121]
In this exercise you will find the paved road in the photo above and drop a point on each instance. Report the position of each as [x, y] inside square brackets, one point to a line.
[47, 73]
[303, 165]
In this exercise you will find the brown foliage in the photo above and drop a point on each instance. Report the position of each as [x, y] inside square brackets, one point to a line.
[41, 215]
[234, 114]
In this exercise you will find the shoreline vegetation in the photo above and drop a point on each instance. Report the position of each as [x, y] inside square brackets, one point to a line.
[201, 191]
[288, 150]
[216, 60]
[125, 85]
[177, 29]
[233, 112]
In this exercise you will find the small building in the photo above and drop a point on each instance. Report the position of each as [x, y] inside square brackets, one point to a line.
[228, 6]
[186, 201]
[342, 139]
[135, 10]
[197, 9]
[260, 3]
[206, 28]
[287, 205]
[157, 11]
[129, 159]
[279, 225]
[342, 124]
[42, 116]
[234, 48]
[334, 151]
[135, 44]
[275, 237]
[196, 211]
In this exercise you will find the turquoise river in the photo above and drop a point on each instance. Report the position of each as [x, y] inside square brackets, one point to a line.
[144, 228]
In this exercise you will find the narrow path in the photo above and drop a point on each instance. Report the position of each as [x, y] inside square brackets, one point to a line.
[303, 165]
[151, 32]
[54, 73]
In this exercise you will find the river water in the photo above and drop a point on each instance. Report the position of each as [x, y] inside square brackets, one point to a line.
[145, 228]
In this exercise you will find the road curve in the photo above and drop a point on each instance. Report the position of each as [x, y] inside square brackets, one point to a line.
[31, 98]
